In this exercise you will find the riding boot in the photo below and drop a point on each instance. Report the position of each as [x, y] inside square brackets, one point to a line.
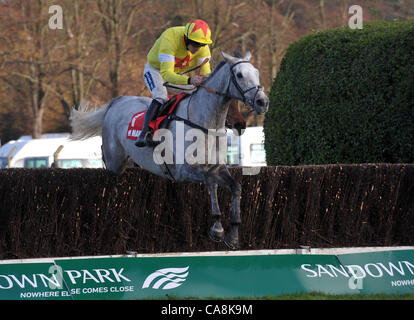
[144, 139]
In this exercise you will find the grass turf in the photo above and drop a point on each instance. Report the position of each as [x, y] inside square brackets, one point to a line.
[312, 296]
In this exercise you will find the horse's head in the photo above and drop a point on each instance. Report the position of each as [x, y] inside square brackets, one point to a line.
[245, 83]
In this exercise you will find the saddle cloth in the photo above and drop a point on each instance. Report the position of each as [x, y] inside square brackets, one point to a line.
[137, 120]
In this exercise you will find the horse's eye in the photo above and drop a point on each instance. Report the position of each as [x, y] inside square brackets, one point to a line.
[239, 75]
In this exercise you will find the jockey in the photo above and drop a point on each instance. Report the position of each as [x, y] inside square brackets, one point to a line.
[177, 50]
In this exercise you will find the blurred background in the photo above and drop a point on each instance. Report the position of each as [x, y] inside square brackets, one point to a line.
[100, 52]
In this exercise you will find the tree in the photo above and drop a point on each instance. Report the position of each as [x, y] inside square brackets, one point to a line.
[81, 63]
[28, 63]
[117, 17]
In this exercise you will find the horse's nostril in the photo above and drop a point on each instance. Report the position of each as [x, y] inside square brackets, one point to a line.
[260, 102]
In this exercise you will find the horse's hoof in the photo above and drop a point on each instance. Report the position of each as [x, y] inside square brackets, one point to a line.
[232, 243]
[216, 235]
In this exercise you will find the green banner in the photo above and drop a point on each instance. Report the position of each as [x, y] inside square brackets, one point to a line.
[220, 276]
[381, 272]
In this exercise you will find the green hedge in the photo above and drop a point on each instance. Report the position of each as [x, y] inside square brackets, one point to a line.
[344, 96]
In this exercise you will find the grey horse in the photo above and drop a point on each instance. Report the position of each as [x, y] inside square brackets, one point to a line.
[191, 144]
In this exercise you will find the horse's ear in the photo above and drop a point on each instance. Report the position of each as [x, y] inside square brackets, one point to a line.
[229, 58]
[247, 56]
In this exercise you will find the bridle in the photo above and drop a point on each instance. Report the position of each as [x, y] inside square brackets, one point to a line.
[245, 100]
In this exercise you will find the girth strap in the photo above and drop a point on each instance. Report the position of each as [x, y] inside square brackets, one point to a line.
[192, 124]
[187, 122]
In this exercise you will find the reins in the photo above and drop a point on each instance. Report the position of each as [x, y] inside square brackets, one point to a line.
[196, 67]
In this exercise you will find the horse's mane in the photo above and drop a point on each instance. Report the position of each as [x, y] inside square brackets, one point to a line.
[237, 54]
[217, 68]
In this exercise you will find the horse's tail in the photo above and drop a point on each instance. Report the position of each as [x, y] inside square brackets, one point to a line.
[87, 123]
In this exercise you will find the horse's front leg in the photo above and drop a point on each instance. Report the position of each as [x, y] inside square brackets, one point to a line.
[216, 231]
[226, 180]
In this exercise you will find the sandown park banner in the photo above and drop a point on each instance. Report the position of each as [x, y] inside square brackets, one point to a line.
[207, 276]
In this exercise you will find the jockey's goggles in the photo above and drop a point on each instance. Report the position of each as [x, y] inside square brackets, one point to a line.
[194, 43]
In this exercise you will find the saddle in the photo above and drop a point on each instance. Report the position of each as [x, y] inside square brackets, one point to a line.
[162, 120]
[168, 108]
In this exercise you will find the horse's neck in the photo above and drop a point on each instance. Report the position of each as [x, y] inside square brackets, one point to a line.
[208, 109]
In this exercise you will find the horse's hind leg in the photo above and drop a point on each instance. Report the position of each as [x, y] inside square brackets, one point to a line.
[194, 173]
[113, 154]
